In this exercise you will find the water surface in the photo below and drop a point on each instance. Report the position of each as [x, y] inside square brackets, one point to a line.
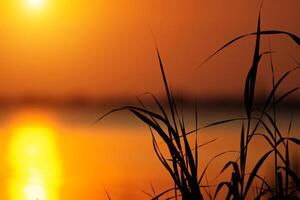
[51, 154]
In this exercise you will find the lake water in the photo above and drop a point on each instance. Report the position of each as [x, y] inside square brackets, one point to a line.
[51, 154]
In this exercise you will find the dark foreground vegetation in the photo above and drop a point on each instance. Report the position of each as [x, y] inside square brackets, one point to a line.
[181, 157]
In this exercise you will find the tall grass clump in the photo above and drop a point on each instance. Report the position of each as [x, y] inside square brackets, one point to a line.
[181, 158]
[262, 123]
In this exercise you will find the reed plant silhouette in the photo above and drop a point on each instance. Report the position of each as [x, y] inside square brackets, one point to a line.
[241, 180]
[181, 158]
[182, 163]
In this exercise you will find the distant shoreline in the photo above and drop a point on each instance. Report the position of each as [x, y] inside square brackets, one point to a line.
[103, 103]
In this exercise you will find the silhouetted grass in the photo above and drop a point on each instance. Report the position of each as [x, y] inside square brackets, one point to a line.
[241, 181]
[181, 158]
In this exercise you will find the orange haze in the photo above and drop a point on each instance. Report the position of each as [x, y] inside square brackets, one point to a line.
[105, 48]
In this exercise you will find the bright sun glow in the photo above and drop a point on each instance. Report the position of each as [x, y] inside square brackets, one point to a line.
[35, 3]
[35, 164]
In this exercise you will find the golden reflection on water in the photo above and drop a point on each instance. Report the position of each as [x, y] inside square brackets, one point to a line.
[34, 162]
[52, 159]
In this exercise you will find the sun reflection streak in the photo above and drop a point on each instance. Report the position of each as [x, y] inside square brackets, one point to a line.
[34, 162]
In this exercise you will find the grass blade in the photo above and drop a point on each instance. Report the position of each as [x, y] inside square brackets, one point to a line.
[255, 171]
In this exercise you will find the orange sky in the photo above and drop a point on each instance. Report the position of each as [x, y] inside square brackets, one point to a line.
[103, 48]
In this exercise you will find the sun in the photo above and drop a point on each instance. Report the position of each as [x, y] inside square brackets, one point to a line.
[35, 4]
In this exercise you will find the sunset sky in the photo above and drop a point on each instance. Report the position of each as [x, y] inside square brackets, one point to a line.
[97, 48]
